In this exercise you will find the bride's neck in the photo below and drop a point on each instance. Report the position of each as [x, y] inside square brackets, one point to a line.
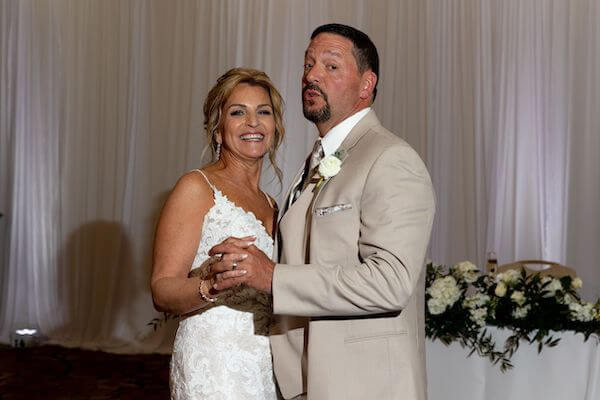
[242, 173]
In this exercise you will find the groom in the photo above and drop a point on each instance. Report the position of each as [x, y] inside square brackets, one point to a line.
[348, 289]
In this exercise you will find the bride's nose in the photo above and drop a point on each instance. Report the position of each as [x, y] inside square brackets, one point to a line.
[252, 119]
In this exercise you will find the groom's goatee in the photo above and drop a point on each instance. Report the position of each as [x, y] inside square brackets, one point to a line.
[316, 116]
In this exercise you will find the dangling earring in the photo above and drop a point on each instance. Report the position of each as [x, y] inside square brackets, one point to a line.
[218, 151]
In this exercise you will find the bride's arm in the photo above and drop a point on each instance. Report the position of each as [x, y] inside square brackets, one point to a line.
[175, 244]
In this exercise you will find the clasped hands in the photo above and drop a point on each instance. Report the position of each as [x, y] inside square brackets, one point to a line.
[240, 261]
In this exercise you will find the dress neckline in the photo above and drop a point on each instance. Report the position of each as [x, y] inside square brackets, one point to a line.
[247, 212]
[240, 208]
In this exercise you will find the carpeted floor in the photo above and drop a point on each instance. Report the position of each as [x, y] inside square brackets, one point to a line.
[51, 372]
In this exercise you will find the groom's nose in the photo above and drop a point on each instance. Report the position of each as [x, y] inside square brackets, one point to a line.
[312, 74]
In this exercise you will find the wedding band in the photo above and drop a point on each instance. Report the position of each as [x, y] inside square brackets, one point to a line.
[233, 266]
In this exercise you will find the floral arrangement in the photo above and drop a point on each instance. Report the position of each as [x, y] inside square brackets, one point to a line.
[460, 303]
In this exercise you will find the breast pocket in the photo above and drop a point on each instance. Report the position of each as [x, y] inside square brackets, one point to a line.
[335, 226]
[342, 211]
[334, 234]
[332, 210]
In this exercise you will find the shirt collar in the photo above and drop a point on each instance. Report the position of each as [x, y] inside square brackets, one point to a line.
[336, 135]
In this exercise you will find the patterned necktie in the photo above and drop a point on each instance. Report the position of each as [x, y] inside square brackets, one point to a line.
[315, 158]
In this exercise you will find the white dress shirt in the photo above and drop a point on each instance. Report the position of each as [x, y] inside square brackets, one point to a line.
[336, 135]
[332, 141]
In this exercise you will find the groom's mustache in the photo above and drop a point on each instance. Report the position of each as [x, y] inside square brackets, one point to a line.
[312, 86]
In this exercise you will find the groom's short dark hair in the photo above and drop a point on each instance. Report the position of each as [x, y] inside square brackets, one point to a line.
[364, 50]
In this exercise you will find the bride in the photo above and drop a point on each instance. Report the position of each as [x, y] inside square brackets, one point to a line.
[221, 349]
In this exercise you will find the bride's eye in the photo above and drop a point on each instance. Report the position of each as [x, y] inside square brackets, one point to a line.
[235, 113]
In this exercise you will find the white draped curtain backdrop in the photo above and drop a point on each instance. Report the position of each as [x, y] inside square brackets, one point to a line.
[100, 113]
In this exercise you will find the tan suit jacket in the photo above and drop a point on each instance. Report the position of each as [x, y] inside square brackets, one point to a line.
[348, 292]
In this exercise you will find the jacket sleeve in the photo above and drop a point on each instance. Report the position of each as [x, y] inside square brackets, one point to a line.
[397, 207]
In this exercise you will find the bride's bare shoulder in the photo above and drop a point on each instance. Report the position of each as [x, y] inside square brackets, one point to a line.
[192, 190]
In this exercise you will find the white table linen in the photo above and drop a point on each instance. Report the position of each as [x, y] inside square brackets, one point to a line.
[569, 371]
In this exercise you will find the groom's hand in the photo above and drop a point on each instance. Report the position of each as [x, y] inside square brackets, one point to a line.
[257, 266]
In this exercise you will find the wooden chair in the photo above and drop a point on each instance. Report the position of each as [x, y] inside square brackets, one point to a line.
[542, 267]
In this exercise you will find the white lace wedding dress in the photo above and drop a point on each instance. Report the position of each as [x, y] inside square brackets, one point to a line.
[222, 351]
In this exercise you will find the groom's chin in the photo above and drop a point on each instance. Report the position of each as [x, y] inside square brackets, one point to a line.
[316, 116]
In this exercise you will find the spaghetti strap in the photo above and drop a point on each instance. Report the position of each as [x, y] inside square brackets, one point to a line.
[268, 199]
[206, 179]
[214, 188]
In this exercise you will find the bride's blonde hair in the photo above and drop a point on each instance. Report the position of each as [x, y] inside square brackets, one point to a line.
[218, 95]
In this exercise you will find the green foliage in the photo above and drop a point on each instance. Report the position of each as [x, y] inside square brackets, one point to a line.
[459, 305]
[156, 323]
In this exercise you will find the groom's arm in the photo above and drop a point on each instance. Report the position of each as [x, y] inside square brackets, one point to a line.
[396, 216]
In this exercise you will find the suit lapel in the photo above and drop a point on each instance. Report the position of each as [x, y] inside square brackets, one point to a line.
[290, 192]
[358, 132]
[360, 129]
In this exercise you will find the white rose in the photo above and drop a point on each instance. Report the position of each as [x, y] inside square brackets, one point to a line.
[478, 316]
[499, 277]
[329, 166]
[508, 277]
[500, 289]
[521, 312]
[582, 312]
[444, 292]
[555, 285]
[518, 297]
[465, 270]
[575, 309]
[511, 276]
[435, 306]
[552, 288]
[476, 300]
[577, 283]
[568, 299]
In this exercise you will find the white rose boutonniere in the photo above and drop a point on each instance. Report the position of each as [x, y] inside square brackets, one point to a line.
[329, 167]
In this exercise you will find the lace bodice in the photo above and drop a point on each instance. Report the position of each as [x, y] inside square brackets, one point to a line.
[222, 351]
[223, 220]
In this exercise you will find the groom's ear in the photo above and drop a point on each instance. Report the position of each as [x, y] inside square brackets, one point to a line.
[367, 84]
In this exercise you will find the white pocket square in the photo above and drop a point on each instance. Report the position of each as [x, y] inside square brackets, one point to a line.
[321, 211]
